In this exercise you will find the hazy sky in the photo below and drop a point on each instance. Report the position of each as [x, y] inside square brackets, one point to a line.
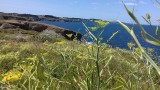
[100, 9]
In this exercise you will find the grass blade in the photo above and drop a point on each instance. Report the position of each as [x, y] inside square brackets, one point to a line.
[131, 32]
[89, 32]
[152, 40]
[115, 33]
[156, 33]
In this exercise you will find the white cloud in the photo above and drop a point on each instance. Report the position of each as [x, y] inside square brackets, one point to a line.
[134, 2]
[130, 4]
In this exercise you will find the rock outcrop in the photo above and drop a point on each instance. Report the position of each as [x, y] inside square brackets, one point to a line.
[39, 27]
[7, 26]
[73, 35]
[27, 26]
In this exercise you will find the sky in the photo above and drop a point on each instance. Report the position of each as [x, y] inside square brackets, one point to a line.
[111, 10]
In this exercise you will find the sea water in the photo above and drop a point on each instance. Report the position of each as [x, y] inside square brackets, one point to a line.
[119, 40]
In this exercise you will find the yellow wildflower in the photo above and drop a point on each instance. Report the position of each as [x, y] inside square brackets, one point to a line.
[32, 58]
[131, 44]
[60, 43]
[12, 76]
[81, 57]
[69, 35]
[90, 47]
[150, 50]
[137, 50]
[94, 28]
[45, 54]
[101, 23]
[109, 51]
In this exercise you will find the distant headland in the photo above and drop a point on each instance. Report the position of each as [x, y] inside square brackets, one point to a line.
[30, 17]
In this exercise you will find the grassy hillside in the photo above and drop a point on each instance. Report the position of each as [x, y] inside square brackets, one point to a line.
[31, 60]
[66, 65]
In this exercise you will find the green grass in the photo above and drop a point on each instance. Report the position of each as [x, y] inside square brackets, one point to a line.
[33, 61]
[37, 61]
[66, 65]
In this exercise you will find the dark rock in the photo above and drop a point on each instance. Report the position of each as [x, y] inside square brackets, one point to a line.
[23, 19]
[30, 26]
[7, 25]
[37, 27]
[50, 16]
[6, 17]
[74, 35]
[20, 25]
[28, 15]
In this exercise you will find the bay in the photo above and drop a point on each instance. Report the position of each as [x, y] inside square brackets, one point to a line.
[120, 40]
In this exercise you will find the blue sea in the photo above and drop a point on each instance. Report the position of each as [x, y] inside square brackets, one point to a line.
[120, 40]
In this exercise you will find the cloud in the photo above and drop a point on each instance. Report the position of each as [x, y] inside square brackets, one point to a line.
[130, 4]
[134, 3]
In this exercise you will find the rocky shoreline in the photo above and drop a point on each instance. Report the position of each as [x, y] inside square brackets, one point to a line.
[37, 27]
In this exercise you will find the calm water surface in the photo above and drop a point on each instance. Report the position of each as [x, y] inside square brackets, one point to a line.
[120, 40]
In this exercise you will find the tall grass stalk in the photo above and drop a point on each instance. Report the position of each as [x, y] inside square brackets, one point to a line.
[100, 28]
[115, 72]
[131, 32]
[97, 40]
[97, 63]
[145, 35]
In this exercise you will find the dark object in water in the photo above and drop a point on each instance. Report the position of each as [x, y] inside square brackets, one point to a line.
[74, 35]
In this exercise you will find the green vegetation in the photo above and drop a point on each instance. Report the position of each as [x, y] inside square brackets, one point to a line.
[147, 37]
[40, 61]
[71, 65]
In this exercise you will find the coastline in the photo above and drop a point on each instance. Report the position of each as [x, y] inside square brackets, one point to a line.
[30, 17]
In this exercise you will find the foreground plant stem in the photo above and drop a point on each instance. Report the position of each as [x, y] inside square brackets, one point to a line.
[100, 28]
[97, 61]
[97, 66]
[131, 32]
